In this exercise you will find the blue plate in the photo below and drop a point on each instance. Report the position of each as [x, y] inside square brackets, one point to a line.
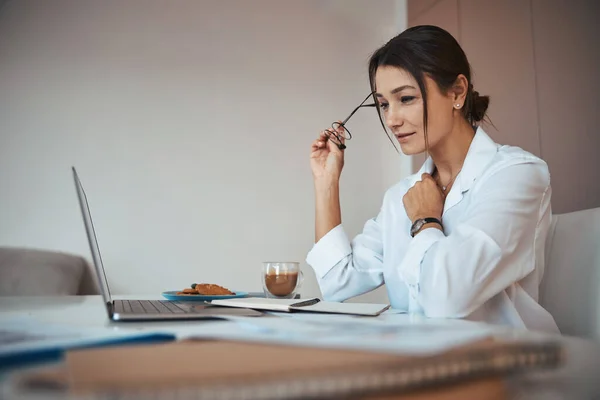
[172, 295]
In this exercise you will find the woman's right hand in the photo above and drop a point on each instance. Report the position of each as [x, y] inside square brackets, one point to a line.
[326, 159]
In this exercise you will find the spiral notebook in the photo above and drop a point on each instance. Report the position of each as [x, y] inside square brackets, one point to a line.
[236, 370]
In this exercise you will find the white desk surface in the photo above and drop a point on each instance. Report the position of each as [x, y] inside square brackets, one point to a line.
[580, 378]
[89, 311]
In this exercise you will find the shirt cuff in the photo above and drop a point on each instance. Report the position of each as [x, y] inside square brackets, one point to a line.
[410, 267]
[329, 251]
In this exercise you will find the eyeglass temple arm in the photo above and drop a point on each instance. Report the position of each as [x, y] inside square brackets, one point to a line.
[360, 106]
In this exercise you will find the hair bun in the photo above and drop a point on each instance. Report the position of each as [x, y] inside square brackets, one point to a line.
[479, 106]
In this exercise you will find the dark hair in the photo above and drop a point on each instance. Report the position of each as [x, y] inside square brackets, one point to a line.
[432, 51]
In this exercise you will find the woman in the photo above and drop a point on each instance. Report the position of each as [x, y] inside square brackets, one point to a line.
[462, 238]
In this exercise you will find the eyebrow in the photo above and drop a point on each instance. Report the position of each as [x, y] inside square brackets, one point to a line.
[398, 89]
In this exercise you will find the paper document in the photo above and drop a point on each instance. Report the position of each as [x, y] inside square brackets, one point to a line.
[396, 333]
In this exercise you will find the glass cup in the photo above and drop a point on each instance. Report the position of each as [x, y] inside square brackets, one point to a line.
[281, 280]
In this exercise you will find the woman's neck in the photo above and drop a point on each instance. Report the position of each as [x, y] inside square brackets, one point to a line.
[449, 154]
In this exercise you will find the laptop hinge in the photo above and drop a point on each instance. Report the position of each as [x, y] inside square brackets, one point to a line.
[110, 306]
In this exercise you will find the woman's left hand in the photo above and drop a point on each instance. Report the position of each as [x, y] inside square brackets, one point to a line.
[424, 199]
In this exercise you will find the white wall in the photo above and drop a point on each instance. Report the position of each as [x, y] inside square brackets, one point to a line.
[190, 124]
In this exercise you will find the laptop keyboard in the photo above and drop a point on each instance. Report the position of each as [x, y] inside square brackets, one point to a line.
[153, 307]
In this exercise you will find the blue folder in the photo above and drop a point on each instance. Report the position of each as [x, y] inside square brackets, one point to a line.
[16, 351]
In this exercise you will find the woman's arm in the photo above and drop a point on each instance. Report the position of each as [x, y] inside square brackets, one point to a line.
[326, 163]
[343, 269]
[493, 247]
[327, 208]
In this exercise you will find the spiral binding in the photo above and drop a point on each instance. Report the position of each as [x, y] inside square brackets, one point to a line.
[368, 379]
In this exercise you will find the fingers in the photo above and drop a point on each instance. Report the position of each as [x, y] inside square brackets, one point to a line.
[318, 144]
[331, 138]
[428, 179]
[321, 141]
[334, 140]
[327, 133]
[341, 131]
[428, 183]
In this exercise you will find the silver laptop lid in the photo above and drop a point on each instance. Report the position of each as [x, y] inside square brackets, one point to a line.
[91, 235]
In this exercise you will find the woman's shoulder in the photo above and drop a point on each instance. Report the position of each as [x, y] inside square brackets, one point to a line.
[502, 154]
[509, 156]
[510, 152]
[513, 169]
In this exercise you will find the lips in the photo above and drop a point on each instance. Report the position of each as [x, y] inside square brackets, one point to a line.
[404, 136]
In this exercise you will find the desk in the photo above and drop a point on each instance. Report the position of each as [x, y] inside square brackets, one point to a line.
[579, 379]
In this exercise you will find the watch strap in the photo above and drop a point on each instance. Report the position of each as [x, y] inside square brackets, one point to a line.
[422, 222]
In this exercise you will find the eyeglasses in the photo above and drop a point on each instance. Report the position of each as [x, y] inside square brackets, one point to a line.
[335, 137]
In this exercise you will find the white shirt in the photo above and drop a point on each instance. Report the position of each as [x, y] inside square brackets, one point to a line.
[486, 265]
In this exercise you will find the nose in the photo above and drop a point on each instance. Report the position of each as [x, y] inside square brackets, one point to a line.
[394, 117]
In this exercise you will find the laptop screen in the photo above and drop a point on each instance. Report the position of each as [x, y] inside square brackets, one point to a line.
[91, 234]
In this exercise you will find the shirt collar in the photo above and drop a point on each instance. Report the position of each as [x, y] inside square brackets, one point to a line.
[480, 154]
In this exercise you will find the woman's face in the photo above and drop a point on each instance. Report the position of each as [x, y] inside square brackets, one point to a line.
[401, 106]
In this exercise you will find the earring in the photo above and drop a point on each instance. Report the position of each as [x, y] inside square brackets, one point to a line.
[457, 105]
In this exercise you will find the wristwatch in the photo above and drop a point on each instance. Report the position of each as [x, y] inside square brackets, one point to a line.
[418, 224]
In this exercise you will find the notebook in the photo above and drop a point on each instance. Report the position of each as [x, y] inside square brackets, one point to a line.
[307, 305]
[236, 370]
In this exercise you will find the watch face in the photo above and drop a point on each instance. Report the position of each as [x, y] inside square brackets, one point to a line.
[416, 226]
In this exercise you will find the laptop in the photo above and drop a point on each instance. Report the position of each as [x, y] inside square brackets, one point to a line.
[145, 310]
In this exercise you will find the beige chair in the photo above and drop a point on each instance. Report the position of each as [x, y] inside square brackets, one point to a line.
[34, 272]
[570, 289]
